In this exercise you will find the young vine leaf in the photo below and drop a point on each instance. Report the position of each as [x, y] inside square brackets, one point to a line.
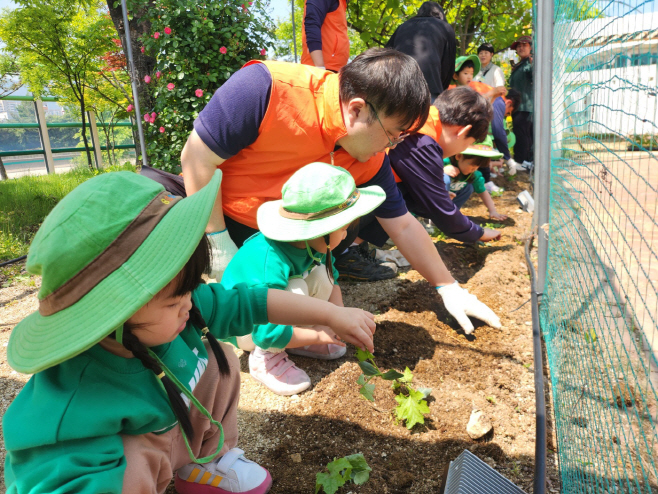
[342, 470]
[411, 408]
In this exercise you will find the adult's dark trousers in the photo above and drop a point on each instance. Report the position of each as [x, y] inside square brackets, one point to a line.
[523, 130]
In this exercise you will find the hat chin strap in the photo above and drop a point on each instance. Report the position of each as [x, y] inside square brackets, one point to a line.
[310, 253]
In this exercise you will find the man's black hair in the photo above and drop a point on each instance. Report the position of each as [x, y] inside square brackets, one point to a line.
[515, 97]
[463, 106]
[466, 65]
[486, 47]
[431, 9]
[390, 81]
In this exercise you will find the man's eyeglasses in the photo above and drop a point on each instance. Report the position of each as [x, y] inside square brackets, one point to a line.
[392, 141]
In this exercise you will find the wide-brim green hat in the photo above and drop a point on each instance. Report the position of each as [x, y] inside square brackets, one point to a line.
[317, 199]
[103, 252]
[484, 148]
[473, 58]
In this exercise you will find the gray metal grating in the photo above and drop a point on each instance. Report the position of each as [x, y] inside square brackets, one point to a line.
[468, 474]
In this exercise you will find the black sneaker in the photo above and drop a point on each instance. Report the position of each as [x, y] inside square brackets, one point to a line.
[356, 264]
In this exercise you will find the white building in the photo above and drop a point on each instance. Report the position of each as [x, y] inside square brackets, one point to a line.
[608, 69]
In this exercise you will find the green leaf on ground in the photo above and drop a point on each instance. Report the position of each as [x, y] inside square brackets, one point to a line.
[407, 376]
[362, 355]
[368, 391]
[411, 408]
[340, 471]
[369, 369]
[391, 375]
[425, 391]
[360, 469]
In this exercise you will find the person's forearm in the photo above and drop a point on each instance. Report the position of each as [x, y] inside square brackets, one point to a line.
[199, 165]
[317, 57]
[417, 247]
[488, 202]
[297, 310]
[336, 296]
[303, 337]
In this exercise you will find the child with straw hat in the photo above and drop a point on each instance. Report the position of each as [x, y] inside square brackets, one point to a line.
[292, 252]
[124, 393]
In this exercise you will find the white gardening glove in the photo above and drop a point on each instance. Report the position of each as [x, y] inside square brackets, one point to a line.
[512, 165]
[222, 249]
[462, 304]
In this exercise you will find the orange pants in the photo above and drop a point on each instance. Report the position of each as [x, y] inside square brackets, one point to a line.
[152, 459]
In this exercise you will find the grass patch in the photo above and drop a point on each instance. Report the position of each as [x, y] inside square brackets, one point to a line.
[26, 201]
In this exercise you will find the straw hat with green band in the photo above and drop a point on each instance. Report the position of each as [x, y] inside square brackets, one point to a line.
[473, 58]
[484, 148]
[103, 252]
[317, 199]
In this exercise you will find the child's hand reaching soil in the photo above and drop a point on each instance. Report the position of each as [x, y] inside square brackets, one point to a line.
[490, 234]
[355, 326]
[495, 215]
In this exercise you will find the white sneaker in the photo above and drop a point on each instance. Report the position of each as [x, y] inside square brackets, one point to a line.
[491, 187]
[326, 351]
[277, 372]
[231, 473]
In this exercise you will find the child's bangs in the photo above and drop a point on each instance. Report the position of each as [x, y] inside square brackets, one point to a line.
[190, 277]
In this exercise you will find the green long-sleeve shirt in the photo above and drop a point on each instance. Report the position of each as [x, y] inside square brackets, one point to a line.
[62, 430]
[265, 262]
[522, 80]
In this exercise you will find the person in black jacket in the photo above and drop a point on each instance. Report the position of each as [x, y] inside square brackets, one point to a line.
[430, 40]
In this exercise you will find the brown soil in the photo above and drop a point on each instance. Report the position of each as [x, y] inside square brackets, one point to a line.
[295, 437]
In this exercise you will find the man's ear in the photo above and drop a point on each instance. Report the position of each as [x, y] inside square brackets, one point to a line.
[356, 110]
[463, 132]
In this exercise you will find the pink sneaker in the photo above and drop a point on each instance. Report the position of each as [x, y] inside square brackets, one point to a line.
[323, 352]
[277, 372]
[230, 474]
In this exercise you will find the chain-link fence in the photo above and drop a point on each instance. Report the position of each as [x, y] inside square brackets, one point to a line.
[600, 302]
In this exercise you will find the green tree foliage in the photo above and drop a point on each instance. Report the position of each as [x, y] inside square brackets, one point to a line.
[284, 48]
[196, 47]
[58, 45]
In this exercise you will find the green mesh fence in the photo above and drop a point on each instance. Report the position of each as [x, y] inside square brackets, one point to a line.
[600, 305]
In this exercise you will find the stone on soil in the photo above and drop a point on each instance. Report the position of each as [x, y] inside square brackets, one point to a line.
[478, 425]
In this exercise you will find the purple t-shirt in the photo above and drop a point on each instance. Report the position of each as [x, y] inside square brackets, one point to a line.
[418, 161]
[231, 119]
[316, 11]
[498, 127]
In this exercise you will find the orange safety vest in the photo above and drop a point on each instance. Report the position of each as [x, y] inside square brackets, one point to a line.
[335, 42]
[302, 124]
[432, 128]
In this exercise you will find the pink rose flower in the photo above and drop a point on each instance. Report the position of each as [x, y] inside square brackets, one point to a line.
[171, 86]
[147, 117]
[223, 50]
[263, 52]
[153, 116]
[167, 30]
[243, 7]
[147, 79]
[156, 35]
[130, 108]
[142, 49]
[199, 93]
[250, 3]
[162, 130]
[158, 74]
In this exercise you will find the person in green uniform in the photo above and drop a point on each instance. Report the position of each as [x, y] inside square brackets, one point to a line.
[293, 252]
[521, 79]
[124, 393]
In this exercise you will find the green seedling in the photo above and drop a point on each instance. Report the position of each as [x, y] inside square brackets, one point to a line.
[590, 336]
[491, 399]
[411, 402]
[494, 226]
[497, 193]
[352, 468]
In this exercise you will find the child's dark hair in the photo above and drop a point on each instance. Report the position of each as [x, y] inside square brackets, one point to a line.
[515, 97]
[463, 106]
[188, 279]
[480, 161]
[467, 64]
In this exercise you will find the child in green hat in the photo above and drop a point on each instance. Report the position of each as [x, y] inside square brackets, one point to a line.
[124, 393]
[292, 252]
[466, 68]
[462, 176]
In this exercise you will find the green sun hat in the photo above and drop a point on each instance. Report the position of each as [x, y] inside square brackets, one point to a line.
[485, 148]
[317, 199]
[103, 252]
[473, 58]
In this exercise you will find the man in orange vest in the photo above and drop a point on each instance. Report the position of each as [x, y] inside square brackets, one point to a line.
[270, 119]
[325, 43]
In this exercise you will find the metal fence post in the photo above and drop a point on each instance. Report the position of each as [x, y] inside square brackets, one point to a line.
[45, 140]
[95, 140]
[543, 76]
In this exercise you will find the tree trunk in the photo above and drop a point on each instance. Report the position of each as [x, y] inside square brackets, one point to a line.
[84, 134]
[3, 172]
[143, 63]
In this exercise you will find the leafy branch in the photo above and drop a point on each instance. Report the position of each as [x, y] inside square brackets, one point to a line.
[411, 402]
[342, 470]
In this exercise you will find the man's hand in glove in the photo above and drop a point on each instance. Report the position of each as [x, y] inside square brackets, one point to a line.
[462, 304]
[222, 249]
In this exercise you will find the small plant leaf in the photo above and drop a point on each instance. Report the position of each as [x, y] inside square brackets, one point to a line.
[411, 408]
[407, 376]
[425, 391]
[329, 483]
[368, 391]
[369, 369]
[361, 380]
[361, 477]
[391, 375]
[362, 355]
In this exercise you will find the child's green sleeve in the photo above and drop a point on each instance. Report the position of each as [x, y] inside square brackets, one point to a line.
[478, 182]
